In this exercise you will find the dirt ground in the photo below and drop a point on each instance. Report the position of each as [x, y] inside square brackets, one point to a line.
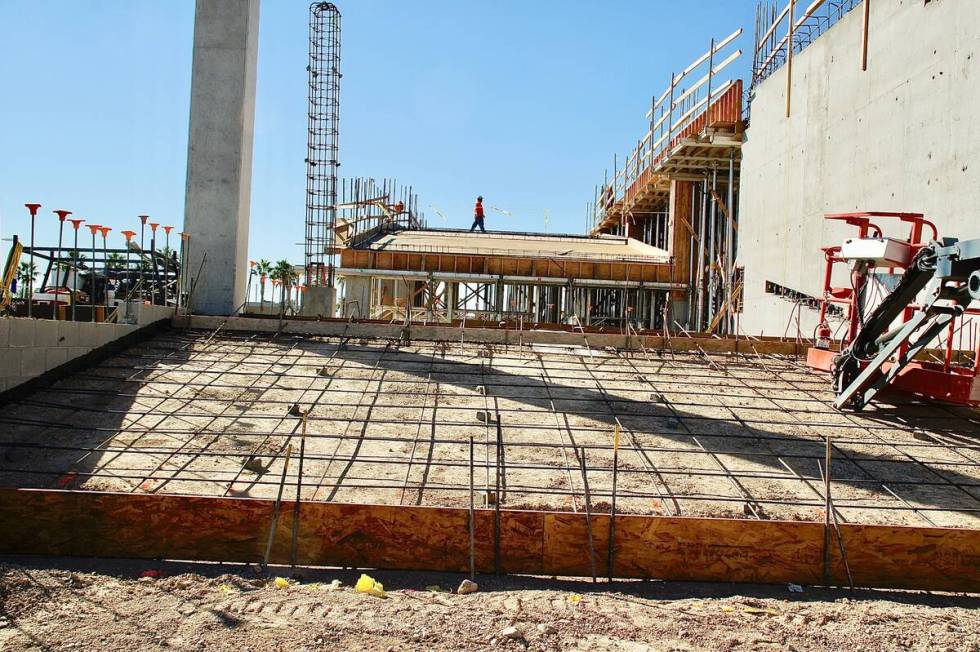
[106, 605]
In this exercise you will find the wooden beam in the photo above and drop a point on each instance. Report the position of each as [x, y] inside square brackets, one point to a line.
[152, 526]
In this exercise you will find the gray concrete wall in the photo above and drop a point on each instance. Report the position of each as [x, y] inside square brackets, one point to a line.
[219, 152]
[31, 347]
[901, 136]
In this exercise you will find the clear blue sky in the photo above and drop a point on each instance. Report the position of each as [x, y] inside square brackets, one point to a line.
[522, 102]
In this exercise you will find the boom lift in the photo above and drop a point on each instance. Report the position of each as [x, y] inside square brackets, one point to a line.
[885, 344]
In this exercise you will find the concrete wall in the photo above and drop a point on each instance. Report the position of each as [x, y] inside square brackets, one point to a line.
[901, 136]
[31, 347]
[219, 151]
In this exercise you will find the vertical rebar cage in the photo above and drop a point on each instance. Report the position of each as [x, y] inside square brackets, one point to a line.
[322, 143]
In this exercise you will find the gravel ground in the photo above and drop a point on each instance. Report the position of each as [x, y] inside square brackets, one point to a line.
[58, 604]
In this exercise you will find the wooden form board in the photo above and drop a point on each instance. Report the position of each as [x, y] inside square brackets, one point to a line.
[529, 266]
[82, 523]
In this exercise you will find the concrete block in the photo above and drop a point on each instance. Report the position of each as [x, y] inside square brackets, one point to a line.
[68, 333]
[88, 335]
[45, 333]
[10, 362]
[77, 351]
[4, 333]
[55, 357]
[32, 362]
[21, 332]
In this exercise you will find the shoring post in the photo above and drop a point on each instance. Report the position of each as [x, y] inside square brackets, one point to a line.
[730, 236]
[104, 230]
[712, 244]
[143, 219]
[57, 266]
[94, 228]
[32, 208]
[75, 266]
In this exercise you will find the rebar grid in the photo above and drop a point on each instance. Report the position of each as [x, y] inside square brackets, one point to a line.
[193, 412]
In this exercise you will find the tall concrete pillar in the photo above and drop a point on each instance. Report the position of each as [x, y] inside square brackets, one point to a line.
[219, 151]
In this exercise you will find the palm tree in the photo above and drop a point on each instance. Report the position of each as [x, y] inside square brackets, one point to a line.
[25, 275]
[262, 268]
[115, 261]
[283, 272]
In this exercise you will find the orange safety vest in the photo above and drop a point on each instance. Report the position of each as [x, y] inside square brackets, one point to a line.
[478, 210]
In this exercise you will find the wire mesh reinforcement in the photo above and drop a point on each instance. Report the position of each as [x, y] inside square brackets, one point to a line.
[193, 412]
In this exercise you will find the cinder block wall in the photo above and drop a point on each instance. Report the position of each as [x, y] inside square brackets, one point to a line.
[901, 136]
[31, 347]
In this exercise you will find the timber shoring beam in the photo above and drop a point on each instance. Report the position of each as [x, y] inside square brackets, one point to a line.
[97, 524]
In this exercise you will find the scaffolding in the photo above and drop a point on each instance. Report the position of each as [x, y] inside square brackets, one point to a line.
[322, 158]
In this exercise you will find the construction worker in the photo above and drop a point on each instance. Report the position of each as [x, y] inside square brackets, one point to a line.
[478, 215]
[399, 207]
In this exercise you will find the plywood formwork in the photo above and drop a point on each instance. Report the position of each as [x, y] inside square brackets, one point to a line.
[738, 437]
[436, 538]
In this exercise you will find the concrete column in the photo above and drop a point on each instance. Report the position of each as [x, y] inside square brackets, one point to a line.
[219, 151]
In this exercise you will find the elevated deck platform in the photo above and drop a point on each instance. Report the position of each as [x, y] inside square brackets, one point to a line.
[514, 256]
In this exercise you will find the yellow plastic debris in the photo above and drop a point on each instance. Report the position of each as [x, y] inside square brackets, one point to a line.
[435, 588]
[757, 610]
[226, 588]
[367, 584]
[575, 598]
[727, 609]
[281, 583]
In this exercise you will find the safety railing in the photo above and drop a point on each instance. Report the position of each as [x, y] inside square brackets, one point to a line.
[798, 23]
[696, 97]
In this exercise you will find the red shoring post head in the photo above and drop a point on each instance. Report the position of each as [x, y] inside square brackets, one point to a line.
[143, 218]
[33, 209]
[168, 229]
[105, 231]
[153, 226]
[76, 223]
[62, 215]
[94, 228]
[128, 235]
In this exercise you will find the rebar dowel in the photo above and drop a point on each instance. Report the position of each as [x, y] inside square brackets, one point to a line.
[299, 492]
[496, 508]
[276, 507]
[588, 511]
[612, 509]
[826, 512]
[472, 517]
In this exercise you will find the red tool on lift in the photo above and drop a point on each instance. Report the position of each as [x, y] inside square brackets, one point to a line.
[885, 344]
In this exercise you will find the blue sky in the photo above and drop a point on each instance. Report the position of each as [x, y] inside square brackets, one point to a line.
[522, 102]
